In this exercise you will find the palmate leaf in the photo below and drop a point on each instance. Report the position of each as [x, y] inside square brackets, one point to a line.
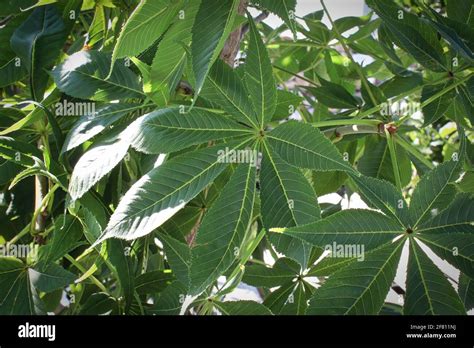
[287, 199]
[211, 28]
[97, 162]
[433, 192]
[334, 95]
[179, 257]
[304, 146]
[224, 87]
[149, 20]
[242, 308]
[259, 77]
[466, 291]
[351, 226]
[377, 162]
[428, 291]
[297, 301]
[410, 33]
[283, 271]
[37, 41]
[361, 287]
[84, 75]
[170, 57]
[15, 294]
[218, 242]
[383, 195]
[66, 234]
[169, 130]
[89, 125]
[450, 234]
[163, 191]
[435, 110]
[50, 277]
[285, 9]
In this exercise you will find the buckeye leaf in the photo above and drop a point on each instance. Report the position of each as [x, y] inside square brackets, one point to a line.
[91, 124]
[361, 287]
[224, 87]
[351, 226]
[259, 77]
[242, 308]
[163, 191]
[304, 146]
[84, 75]
[149, 20]
[38, 41]
[428, 291]
[97, 162]
[169, 130]
[287, 199]
[212, 26]
[218, 241]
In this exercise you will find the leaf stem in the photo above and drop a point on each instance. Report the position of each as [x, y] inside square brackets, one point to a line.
[393, 157]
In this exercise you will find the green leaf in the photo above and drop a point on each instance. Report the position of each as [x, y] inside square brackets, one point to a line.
[66, 235]
[213, 24]
[461, 11]
[89, 125]
[83, 75]
[170, 57]
[297, 301]
[153, 282]
[456, 218]
[328, 265]
[433, 192]
[170, 300]
[410, 33]
[149, 20]
[428, 291]
[279, 274]
[17, 296]
[169, 130]
[466, 291]
[163, 191]
[377, 162]
[287, 199]
[224, 87]
[351, 226]
[361, 287]
[179, 257]
[38, 41]
[100, 303]
[287, 104]
[382, 195]
[334, 95]
[242, 308]
[259, 77]
[435, 110]
[285, 9]
[218, 243]
[448, 28]
[304, 146]
[97, 162]
[123, 264]
[50, 277]
[456, 248]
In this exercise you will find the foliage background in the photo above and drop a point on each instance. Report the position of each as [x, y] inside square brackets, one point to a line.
[317, 102]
